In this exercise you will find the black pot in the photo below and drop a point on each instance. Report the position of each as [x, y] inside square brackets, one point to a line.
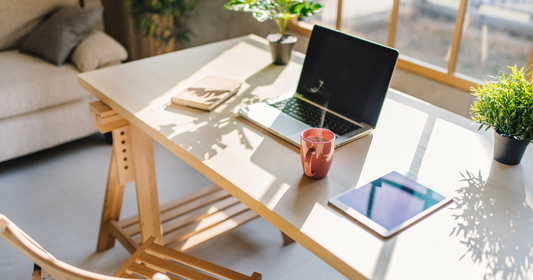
[281, 49]
[508, 150]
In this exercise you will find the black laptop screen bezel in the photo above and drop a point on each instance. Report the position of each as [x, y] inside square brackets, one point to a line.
[347, 74]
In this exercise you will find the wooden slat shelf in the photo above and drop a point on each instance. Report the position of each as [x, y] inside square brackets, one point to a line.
[186, 222]
[189, 220]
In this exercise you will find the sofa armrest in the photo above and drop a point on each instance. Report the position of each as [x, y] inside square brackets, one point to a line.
[96, 51]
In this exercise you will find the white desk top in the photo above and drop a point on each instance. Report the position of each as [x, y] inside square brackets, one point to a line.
[486, 232]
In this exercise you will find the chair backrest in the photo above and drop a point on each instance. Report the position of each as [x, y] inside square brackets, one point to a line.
[151, 260]
[27, 246]
[152, 257]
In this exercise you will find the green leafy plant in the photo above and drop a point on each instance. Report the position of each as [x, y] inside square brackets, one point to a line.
[280, 11]
[163, 20]
[506, 105]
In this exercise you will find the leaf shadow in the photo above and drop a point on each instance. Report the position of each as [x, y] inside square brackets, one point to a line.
[495, 223]
[218, 125]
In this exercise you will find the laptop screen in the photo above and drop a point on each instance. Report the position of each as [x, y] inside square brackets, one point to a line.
[347, 74]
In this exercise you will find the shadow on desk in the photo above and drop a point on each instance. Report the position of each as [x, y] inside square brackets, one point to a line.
[489, 236]
[224, 125]
[295, 194]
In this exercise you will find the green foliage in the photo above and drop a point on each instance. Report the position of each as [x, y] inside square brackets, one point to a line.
[148, 15]
[280, 11]
[506, 105]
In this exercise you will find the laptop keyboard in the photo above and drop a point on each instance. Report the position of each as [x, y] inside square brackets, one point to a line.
[312, 115]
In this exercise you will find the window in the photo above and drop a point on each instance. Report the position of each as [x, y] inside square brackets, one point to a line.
[455, 42]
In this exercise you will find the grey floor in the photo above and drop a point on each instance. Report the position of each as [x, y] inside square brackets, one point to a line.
[56, 197]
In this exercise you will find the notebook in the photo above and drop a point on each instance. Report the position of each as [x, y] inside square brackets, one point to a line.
[342, 87]
[207, 93]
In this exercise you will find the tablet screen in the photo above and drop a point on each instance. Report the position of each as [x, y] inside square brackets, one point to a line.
[391, 201]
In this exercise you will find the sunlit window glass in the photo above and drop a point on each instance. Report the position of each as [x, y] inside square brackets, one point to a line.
[497, 34]
[366, 19]
[425, 30]
[327, 17]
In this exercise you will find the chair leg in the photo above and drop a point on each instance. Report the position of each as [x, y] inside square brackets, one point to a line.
[36, 275]
[40, 274]
[256, 276]
[286, 239]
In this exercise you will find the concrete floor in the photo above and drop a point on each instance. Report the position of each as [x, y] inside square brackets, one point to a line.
[56, 196]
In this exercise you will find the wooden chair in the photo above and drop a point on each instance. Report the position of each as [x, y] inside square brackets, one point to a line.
[151, 261]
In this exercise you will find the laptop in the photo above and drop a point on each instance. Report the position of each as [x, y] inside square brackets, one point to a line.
[342, 87]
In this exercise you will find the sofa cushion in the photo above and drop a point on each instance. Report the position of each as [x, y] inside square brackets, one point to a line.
[19, 17]
[97, 51]
[65, 29]
[46, 128]
[29, 84]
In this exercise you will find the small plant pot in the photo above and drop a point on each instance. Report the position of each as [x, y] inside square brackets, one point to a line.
[508, 150]
[281, 49]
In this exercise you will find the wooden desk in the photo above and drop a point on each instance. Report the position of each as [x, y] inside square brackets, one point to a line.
[487, 231]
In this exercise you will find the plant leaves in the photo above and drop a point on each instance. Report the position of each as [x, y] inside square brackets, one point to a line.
[148, 16]
[279, 10]
[506, 104]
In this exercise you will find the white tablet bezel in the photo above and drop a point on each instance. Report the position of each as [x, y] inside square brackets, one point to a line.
[374, 226]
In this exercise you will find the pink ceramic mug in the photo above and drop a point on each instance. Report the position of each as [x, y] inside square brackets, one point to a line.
[316, 151]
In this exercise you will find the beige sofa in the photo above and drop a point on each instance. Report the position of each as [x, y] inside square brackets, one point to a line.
[41, 104]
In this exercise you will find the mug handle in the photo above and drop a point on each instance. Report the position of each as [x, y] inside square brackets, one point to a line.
[307, 165]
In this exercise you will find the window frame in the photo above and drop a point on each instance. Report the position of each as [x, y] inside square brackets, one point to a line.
[445, 76]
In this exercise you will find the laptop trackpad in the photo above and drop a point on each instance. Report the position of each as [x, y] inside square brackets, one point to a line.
[276, 122]
[289, 127]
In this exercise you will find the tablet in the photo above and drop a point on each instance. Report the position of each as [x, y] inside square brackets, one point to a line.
[389, 204]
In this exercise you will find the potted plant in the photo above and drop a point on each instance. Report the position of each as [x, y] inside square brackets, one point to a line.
[164, 22]
[281, 11]
[506, 105]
